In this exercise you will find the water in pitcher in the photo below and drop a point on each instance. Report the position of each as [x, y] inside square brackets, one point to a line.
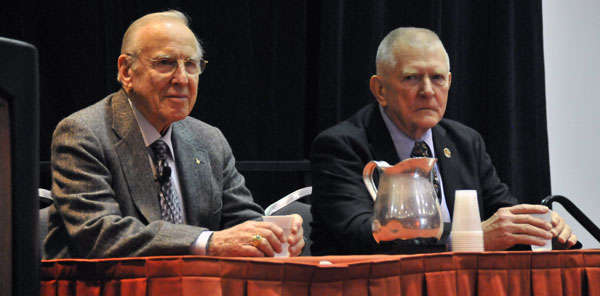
[407, 228]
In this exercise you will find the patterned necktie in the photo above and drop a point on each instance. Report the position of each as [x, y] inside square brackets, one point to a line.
[169, 203]
[421, 149]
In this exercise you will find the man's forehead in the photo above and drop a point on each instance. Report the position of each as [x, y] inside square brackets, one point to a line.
[167, 37]
[424, 67]
[416, 60]
[171, 52]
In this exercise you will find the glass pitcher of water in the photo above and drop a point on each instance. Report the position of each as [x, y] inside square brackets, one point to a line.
[406, 204]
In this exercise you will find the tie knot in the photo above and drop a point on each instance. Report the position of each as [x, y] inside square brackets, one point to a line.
[160, 149]
[421, 149]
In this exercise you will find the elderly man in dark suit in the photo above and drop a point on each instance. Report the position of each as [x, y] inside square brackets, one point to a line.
[411, 90]
[133, 175]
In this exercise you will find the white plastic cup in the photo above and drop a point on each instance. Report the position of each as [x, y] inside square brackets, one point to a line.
[466, 234]
[285, 222]
[466, 211]
[548, 246]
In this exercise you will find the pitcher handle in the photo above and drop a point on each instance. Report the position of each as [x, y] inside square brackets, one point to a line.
[368, 176]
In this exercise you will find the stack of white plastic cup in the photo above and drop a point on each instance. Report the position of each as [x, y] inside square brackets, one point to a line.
[466, 234]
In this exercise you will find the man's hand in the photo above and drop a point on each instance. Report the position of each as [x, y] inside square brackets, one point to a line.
[296, 237]
[563, 238]
[513, 225]
[237, 241]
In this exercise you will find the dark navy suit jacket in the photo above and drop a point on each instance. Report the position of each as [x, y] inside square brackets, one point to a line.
[341, 205]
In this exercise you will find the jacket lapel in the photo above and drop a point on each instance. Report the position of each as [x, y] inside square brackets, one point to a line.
[446, 163]
[379, 137]
[135, 163]
[193, 166]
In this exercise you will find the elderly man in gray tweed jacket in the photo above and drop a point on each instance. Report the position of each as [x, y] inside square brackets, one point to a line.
[116, 195]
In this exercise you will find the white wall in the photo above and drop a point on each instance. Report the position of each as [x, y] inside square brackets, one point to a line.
[572, 62]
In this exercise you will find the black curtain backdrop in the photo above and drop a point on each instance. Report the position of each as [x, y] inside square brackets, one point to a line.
[280, 72]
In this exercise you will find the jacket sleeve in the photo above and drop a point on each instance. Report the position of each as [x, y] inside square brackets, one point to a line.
[341, 204]
[238, 204]
[495, 193]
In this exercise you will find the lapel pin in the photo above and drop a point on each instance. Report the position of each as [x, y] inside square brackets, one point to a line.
[197, 160]
[447, 153]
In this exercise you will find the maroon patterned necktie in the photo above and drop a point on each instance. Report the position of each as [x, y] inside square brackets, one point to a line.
[421, 149]
[169, 203]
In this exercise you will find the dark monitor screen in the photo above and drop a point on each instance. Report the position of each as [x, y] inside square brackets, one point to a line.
[19, 172]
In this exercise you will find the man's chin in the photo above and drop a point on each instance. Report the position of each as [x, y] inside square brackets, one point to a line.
[177, 109]
[428, 122]
[176, 115]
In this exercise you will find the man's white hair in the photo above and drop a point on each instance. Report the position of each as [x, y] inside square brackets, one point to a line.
[411, 37]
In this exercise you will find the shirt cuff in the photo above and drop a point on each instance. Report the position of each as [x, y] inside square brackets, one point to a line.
[200, 245]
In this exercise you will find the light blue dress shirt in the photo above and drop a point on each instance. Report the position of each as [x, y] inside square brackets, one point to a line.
[404, 146]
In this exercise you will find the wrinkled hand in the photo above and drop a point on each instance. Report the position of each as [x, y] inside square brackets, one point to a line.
[237, 241]
[296, 237]
[513, 225]
[563, 238]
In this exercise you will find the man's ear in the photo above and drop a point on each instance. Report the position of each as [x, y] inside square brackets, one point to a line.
[124, 66]
[378, 90]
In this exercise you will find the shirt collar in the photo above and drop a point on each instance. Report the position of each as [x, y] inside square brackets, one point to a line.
[149, 132]
[403, 143]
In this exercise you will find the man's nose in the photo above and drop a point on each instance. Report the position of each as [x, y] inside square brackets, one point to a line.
[180, 75]
[427, 87]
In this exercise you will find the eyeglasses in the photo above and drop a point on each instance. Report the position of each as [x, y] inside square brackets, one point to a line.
[168, 65]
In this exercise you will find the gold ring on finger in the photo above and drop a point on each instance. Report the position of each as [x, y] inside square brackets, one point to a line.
[257, 240]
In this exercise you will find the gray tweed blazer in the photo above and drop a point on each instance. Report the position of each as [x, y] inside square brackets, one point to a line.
[106, 199]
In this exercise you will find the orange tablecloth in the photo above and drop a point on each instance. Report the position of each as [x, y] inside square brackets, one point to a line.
[488, 273]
